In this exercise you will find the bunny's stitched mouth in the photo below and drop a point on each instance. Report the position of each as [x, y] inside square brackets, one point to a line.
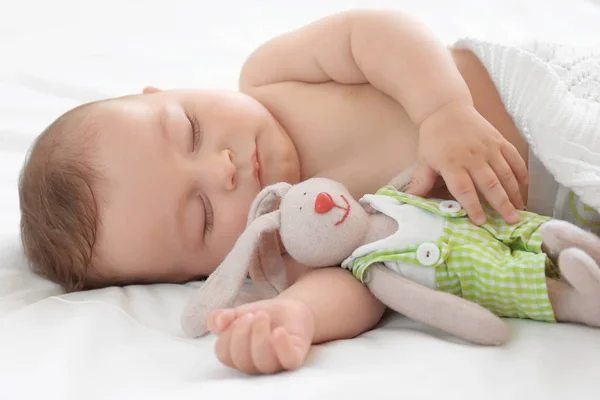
[346, 210]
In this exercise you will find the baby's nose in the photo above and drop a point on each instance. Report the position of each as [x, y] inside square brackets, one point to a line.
[323, 203]
[229, 170]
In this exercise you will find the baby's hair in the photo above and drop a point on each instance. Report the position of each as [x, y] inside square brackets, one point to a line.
[58, 200]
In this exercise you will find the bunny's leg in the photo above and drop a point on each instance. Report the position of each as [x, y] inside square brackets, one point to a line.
[559, 235]
[441, 310]
[578, 300]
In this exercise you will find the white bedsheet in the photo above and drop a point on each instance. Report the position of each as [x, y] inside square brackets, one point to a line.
[126, 343]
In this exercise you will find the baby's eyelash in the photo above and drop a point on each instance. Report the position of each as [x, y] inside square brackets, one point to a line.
[208, 215]
[195, 132]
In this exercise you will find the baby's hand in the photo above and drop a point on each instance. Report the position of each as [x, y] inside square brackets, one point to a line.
[457, 143]
[263, 337]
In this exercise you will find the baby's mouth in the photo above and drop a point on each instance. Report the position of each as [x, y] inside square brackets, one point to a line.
[346, 210]
[255, 162]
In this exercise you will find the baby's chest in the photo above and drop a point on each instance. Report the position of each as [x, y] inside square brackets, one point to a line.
[354, 134]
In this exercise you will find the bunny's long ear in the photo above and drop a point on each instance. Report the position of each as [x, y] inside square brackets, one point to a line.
[267, 200]
[223, 286]
[268, 273]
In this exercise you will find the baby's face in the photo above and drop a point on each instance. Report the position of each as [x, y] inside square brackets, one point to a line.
[181, 173]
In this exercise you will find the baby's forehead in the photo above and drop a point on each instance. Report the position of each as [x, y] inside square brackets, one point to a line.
[86, 119]
[151, 108]
[111, 114]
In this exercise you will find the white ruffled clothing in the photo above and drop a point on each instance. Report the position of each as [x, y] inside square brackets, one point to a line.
[552, 93]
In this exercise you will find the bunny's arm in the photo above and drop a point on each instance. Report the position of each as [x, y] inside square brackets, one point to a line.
[441, 310]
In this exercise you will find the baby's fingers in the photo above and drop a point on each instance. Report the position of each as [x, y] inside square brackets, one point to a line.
[461, 186]
[263, 354]
[219, 320]
[491, 188]
[516, 162]
[239, 345]
[291, 350]
[509, 181]
[422, 180]
[222, 348]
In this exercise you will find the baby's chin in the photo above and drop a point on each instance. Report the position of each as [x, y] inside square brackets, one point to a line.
[287, 171]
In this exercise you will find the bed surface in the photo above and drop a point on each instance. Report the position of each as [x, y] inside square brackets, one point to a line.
[126, 343]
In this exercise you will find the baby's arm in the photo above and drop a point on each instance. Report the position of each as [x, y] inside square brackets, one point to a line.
[400, 56]
[342, 307]
[273, 335]
[393, 51]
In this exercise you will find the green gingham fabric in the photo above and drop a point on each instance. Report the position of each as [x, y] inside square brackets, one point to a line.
[497, 265]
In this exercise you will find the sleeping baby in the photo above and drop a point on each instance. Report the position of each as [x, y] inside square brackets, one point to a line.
[157, 187]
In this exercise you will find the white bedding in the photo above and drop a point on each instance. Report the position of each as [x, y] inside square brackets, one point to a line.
[126, 343]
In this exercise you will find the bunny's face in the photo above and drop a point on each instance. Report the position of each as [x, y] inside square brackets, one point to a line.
[321, 224]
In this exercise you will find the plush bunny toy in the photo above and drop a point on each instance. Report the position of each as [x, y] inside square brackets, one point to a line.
[421, 257]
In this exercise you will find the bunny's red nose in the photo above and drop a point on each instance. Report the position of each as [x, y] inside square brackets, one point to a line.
[323, 203]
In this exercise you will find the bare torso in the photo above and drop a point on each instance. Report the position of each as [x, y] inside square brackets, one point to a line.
[360, 136]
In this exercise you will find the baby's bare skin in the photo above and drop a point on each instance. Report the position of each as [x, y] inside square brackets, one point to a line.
[335, 107]
[327, 123]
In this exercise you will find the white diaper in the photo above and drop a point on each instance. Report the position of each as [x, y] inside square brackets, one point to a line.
[548, 197]
[552, 93]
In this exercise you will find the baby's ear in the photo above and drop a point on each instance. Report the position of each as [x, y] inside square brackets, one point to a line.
[150, 90]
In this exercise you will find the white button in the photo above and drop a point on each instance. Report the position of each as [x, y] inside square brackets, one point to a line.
[450, 207]
[428, 254]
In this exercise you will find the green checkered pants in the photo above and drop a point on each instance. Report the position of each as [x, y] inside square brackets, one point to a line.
[497, 265]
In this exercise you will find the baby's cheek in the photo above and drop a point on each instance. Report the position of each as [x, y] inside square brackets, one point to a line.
[229, 230]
